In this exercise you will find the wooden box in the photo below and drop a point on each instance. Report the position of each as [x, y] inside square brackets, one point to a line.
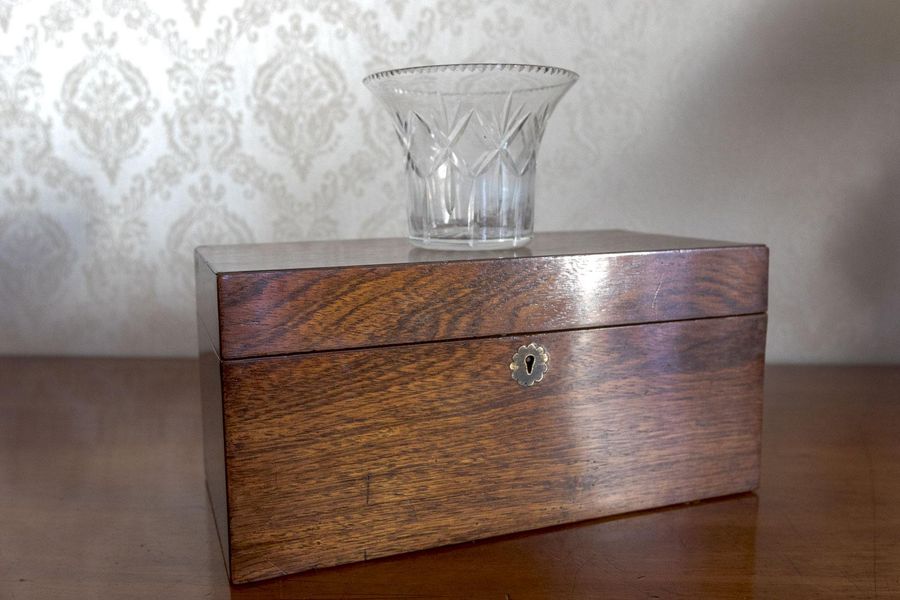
[363, 398]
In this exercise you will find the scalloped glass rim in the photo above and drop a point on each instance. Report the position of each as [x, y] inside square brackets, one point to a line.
[393, 77]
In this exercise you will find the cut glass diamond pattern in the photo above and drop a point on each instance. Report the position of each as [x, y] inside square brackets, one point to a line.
[470, 135]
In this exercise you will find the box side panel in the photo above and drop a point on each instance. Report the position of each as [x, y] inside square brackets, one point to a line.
[206, 283]
[283, 312]
[213, 438]
[343, 456]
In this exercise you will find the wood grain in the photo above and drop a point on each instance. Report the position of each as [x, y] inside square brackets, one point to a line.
[265, 313]
[102, 496]
[343, 456]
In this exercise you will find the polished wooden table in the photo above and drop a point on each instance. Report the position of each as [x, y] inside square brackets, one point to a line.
[102, 496]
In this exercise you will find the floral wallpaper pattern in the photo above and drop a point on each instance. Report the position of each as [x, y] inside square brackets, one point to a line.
[132, 131]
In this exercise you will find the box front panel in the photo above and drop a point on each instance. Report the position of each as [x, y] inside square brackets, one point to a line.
[342, 456]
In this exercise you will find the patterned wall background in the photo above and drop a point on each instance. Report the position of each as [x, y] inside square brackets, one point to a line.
[131, 131]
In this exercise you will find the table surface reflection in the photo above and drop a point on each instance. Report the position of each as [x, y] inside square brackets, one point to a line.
[102, 496]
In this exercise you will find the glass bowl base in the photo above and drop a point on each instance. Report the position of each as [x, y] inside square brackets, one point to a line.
[434, 243]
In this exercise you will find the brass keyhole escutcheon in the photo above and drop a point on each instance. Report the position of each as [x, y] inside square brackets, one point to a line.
[529, 364]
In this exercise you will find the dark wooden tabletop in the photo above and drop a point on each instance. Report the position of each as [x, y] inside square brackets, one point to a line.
[102, 496]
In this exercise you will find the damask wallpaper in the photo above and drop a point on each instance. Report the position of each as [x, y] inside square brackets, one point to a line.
[132, 131]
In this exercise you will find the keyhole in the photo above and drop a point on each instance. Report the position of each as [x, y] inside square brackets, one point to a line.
[529, 363]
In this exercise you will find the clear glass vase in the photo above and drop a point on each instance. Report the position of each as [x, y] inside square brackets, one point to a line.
[470, 133]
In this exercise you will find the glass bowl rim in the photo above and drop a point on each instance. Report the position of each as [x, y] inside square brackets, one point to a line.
[475, 67]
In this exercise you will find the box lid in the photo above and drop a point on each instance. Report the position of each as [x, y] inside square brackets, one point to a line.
[271, 299]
